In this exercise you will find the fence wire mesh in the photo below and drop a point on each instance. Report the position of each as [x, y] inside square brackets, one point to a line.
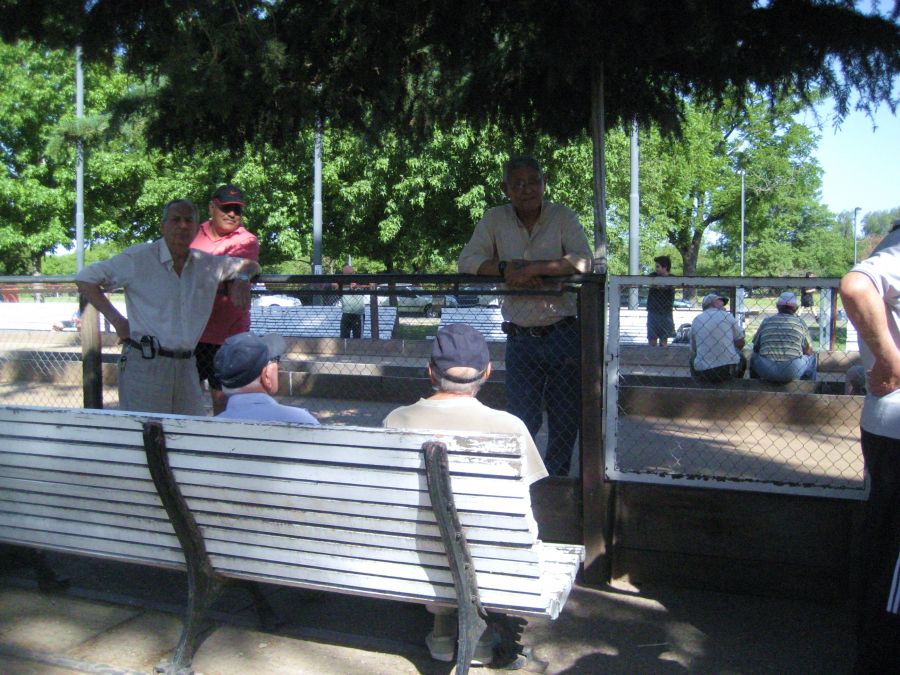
[750, 390]
[40, 344]
[358, 347]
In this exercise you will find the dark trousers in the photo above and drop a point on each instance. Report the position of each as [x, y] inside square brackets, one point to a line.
[351, 325]
[878, 630]
[545, 371]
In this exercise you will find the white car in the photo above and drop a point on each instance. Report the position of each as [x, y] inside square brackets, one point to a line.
[277, 301]
[410, 299]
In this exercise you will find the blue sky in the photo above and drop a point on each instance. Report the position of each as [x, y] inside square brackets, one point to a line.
[861, 165]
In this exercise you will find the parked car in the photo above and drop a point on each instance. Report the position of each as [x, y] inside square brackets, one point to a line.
[277, 301]
[410, 299]
[473, 299]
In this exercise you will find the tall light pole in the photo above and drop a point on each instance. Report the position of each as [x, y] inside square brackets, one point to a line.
[855, 213]
[742, 221]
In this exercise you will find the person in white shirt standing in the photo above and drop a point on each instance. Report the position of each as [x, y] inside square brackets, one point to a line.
[871, 297]
[169, 293]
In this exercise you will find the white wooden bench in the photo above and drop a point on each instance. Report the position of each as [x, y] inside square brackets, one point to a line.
[324, 321]
[343, 509]
[486, 319]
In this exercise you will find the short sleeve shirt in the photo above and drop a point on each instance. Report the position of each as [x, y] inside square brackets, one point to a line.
[159, 302]
[500, 235]
[713, 334]
[881, 414]
[226, 319]
[465, 413]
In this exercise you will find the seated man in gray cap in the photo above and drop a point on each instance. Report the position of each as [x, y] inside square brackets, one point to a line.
[716, 343]
[782, 351]
[460, 364]
[247, 367]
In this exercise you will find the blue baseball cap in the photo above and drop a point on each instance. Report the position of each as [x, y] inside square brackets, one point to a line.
[460, 346]
[243, 356]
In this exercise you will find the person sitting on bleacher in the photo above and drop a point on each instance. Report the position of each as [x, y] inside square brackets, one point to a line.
[247, 367]
[782, 351]
[716, 343]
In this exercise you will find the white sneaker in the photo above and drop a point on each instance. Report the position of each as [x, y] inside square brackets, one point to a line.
[444, 648]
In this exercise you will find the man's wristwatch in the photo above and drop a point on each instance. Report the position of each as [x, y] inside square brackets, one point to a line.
[502, 267]
[243, 276]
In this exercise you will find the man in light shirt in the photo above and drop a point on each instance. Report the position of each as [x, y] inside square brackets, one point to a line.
[871, 297]
[169, 293]
[460, 364]
[716, 343]
[525, 242]
[247, 367]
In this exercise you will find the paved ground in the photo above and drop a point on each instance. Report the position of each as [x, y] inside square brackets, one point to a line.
[118, 618]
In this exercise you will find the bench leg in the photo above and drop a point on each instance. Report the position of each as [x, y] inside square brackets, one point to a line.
[472, 617]
[204, 585]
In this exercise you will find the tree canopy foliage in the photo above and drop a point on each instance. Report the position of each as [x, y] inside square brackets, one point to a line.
[392, 203]
[263, 70]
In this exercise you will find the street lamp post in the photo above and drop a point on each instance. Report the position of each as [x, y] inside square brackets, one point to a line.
[855, 213]
[742, 221]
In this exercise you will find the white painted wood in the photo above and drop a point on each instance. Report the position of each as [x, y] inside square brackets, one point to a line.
[333, 508]
[316, 321]
[486, 320]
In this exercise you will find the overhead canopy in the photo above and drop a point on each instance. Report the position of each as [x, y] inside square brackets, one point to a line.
[243, 70]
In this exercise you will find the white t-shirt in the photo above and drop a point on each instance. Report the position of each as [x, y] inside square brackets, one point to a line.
[465, 413]
[881, 414]
[713, 334]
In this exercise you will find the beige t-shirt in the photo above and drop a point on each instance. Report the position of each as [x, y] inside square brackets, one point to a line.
[465, 413]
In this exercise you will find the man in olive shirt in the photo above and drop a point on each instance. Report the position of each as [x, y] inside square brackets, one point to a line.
[524, 242]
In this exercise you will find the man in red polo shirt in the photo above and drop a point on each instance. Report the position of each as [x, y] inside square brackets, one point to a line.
[223, 234]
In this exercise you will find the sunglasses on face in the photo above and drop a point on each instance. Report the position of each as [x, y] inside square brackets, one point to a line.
[236, 209]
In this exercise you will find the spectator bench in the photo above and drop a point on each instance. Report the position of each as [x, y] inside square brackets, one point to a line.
[316, 321]
[342, 509]
[674, 360]
[486, 320]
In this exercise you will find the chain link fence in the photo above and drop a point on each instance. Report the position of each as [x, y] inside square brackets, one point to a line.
[754, 388]
[358, 347]
[662, 423]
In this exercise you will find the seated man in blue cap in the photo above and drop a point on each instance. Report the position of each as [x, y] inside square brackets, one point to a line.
[460, 364]
[247, 367]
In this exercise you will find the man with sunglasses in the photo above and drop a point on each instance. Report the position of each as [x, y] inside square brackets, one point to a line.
[223, 234]
[247, 368]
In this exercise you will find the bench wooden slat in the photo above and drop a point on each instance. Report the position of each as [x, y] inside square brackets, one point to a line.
[383, 495]
[358, 523]
[79, 491]
[31, 534]
[347, 503]
[116, 507]
[217, 542]
[377, 586]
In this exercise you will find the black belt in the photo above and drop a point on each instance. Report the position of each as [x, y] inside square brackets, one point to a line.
[512, 329]
[150, 348]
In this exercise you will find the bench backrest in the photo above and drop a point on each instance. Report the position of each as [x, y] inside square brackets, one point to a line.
[337, 508]
[318, 321]
[486, 319]
[77, 481]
